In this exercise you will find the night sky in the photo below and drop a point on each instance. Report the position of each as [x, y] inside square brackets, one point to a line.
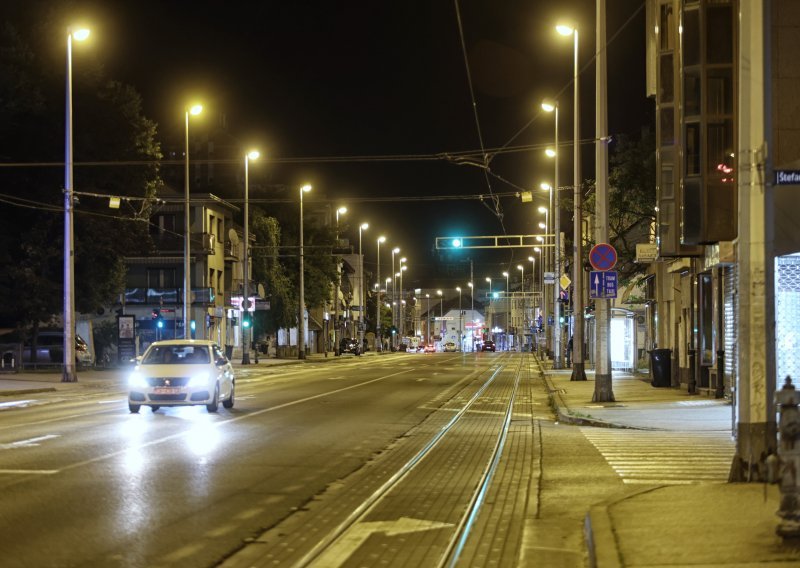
[354, 80]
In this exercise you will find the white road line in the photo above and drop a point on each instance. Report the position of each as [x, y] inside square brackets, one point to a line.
[30, 442]
[28, 471]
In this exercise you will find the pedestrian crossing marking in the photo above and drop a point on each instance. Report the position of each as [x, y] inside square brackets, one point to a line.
[664, 457]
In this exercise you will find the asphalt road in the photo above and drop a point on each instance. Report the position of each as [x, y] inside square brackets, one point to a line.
[85, 483]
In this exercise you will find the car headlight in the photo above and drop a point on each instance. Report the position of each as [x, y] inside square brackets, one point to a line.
[198, 380]
[137, 380]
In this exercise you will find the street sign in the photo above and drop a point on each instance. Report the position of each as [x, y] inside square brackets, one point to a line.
[603, 256]
[565, 282]
[603, 285]
[646, 252]
[787, 177]
[549, 277]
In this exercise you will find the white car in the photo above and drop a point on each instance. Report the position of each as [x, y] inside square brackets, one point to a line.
[182, 372]
[450, 347]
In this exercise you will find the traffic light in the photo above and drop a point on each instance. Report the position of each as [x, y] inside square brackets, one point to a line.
[246, 321]
[159, 319]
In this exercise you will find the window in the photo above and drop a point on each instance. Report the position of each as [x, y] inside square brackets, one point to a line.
[692, 149]
[720, 147]
[666, 28]
[720, 92]
[161, 278]
[666, 79]
[667, 126]
[691, 38]
[691, 93]
[719, 34]
[161, 224]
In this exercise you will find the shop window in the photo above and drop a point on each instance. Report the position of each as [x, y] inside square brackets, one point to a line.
[692, 211]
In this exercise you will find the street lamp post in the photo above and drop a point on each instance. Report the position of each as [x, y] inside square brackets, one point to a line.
[508, 312]
[378, 345]
[402, 313]
[491, 334]
[395, 250]
[187, 222]
[428, 320]
[441, 315]
[69, 370]
[578, 372]
[336, 352]
[361, 228]
[460, 319]
[522, 290]
[301, 332]
[472, 311]
[246, 323]
[556, 217]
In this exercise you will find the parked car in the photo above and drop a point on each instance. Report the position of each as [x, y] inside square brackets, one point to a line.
[429, 348]
[50, 349]
[450, 347]
[488, 346]
[349, 345]
[182, 372]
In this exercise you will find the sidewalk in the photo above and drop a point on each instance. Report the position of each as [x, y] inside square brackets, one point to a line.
[730, 524]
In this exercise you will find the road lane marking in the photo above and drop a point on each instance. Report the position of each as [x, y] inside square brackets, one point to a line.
[28, 471]
[30, 442]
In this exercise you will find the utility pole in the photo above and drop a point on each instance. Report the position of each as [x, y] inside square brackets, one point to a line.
[603, 385]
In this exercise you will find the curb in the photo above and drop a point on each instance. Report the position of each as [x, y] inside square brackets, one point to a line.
[598, 529]
[27, 391]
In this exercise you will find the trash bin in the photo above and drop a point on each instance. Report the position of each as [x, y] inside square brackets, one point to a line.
[661, 366]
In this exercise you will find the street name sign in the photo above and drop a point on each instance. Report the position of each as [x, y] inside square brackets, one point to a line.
[603, 284]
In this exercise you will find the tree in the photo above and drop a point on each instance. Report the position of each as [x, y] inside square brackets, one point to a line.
[110, 127]
[269, 271]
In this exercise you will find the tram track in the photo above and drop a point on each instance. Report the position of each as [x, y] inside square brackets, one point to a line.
[426, 506]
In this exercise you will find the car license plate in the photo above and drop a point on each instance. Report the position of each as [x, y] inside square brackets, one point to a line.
[166, 390]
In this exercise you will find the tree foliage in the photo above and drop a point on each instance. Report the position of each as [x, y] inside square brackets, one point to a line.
[108, 126]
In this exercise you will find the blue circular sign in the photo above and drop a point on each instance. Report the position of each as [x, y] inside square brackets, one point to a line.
[603, 257]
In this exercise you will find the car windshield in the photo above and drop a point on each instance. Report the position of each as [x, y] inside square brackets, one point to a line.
[176, 355]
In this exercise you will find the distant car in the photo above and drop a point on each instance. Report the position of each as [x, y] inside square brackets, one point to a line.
[349, 345]
[488, 346]
[50, 349]
[182, 372]
[429, 348]
[450, 347]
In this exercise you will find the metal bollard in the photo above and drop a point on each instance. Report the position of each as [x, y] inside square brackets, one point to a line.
[787, 400]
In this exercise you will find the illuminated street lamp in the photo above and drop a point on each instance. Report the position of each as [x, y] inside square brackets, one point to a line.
[489, 280]
[428, 318]
[340, 211]
[361, 228]
[69, 372]
[187, 222]
[403, 268]
[301, 340]
[578, 372]
[472, 312]
[378, 344]
[245, 317]
[555, 209]
[522, 289]
[395, 250]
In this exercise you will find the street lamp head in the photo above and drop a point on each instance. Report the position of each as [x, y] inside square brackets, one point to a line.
[549, 106]
[80, 34]
[469, 284]
[505, 274]
[520, 267]
[403, 268]
[402, 260]
[439, 292]
[537, 249]
[342, 210]
[395, 250]
[381, 239]
[565, 30]
[427, 296]
[364, 226]
[489, 280]
[531, 259]
[545, 186]
[195, 109]
[458, 289]
[542, 209]
[306, 188]
[253, 154]
[540, 239]
[542, 226]
[550, 153]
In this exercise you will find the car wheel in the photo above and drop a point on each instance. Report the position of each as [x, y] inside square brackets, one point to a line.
[134, 408]
[228, 402]
[154, 407]
[213, 406]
